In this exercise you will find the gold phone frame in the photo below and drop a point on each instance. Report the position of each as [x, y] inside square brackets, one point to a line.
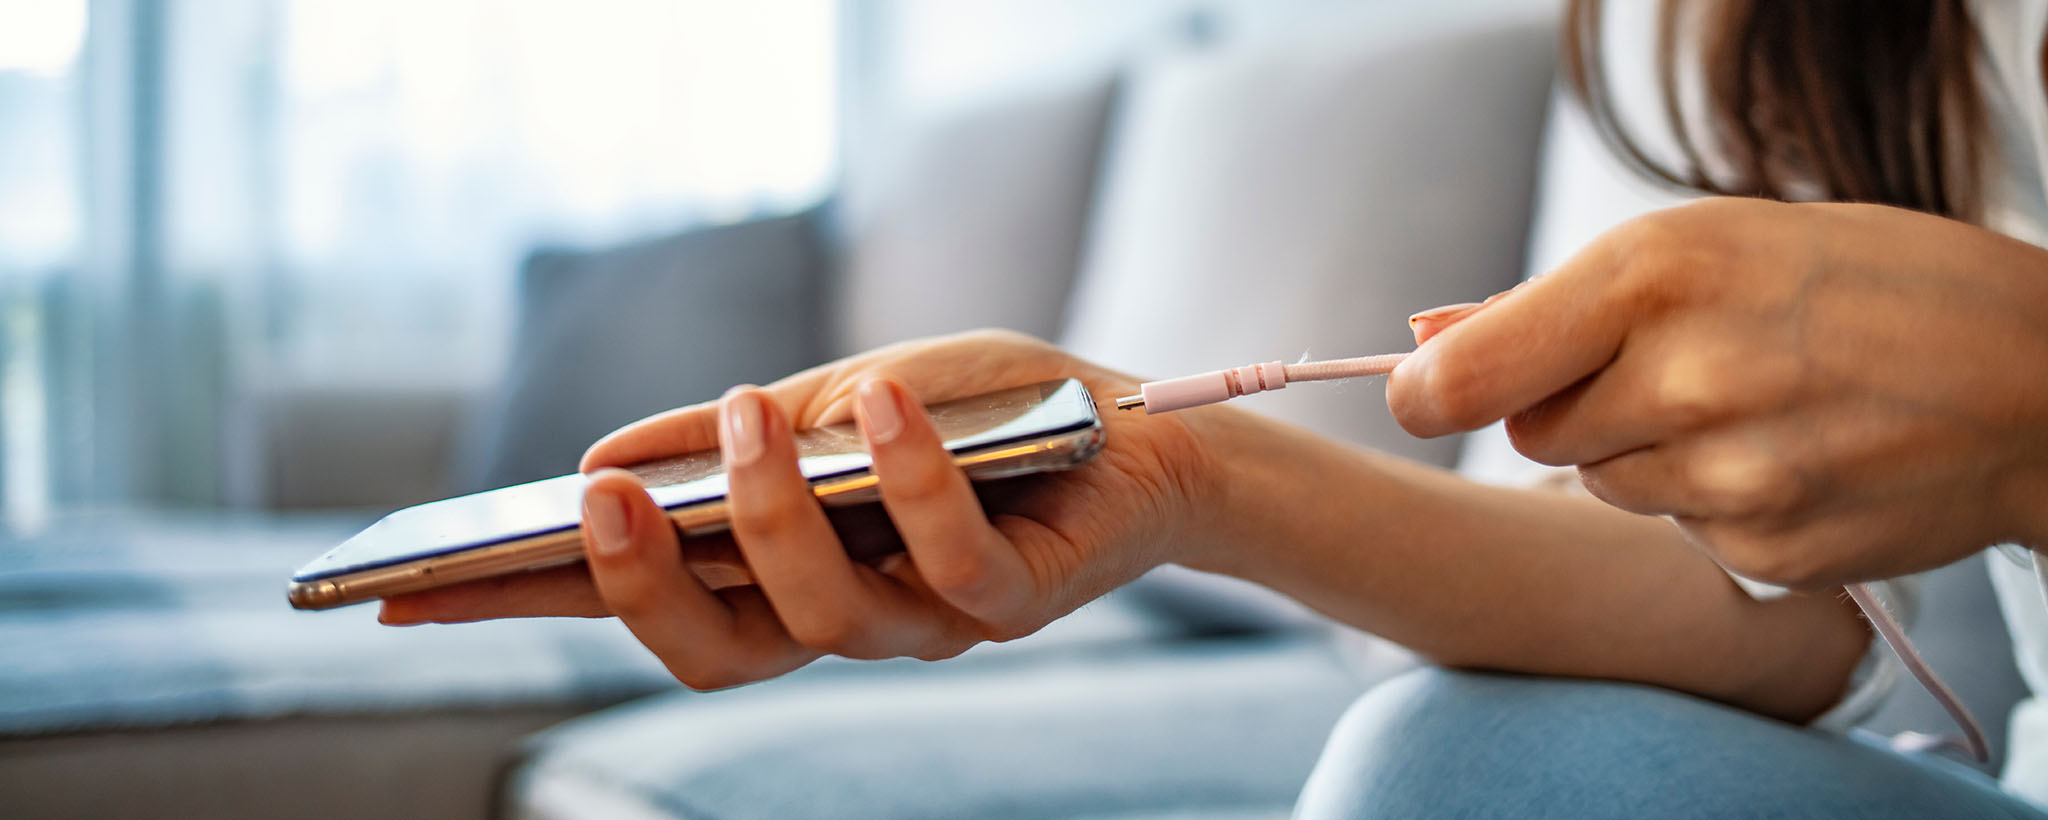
[1056, 451]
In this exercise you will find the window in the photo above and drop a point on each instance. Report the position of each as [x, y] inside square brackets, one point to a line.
[207, 204]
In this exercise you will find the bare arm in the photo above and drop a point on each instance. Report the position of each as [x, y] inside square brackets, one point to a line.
[1524, 581]
[1466, 574]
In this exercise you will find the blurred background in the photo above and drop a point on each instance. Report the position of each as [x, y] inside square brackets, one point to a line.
[224, 219]
[270, 269]
[266, 254]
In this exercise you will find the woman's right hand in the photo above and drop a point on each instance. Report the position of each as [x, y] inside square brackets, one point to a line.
[1041, 548]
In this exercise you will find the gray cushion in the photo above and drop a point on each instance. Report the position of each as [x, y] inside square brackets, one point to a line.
[1212, 729]
[973, 219]
[1305, 197]
[607, 337]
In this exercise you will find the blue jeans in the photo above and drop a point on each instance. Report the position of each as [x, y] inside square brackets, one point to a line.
[1435, 743]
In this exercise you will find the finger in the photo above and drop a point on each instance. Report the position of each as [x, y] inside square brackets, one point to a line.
[1522, 347]
[682, 430]
[1663, 384]
[1427, 324]
[553, 592]
[695, 427]
[636, 563]
[954, 547]
[799, 562]
[1820, 552]
[1727, 475]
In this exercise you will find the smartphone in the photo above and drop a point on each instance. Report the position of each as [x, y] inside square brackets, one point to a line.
[1035, 428]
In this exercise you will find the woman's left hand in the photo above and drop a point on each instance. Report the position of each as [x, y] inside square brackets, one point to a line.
[975, 566]
[1816, 393]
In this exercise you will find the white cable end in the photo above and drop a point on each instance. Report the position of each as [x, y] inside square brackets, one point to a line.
[1168, 395]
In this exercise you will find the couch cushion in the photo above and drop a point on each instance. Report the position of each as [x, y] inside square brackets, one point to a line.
[152, 668]
[972, 219]
[606, 337]
[1306, 197]
[1208, 729]
[147, 621]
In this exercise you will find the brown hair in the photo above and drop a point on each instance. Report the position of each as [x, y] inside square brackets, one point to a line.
[1852, 100]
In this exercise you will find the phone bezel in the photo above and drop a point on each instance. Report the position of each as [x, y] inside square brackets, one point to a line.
[1055, 450]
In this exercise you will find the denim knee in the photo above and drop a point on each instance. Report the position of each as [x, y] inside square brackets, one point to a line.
[1440, 743]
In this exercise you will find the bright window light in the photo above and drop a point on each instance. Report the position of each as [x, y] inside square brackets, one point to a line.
[40, 36]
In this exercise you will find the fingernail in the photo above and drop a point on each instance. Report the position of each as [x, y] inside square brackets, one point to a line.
[389, 615]
[605, 515]
[1433, 321]
[744, 419]
[879, 412]
[1440, 313]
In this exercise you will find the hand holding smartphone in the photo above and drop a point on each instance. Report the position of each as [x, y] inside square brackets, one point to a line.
[1035, 428]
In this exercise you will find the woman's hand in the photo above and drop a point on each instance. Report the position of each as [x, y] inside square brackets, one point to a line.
[1043, 547]
[1817, 393]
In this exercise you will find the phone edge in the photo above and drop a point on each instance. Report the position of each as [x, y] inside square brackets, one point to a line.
[1052, 453]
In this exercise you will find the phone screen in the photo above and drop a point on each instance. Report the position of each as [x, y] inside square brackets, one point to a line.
[555, 504]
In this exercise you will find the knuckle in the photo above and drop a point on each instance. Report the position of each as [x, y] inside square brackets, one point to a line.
[1600, 481]
[1005, 336]
[964, 579]
[706, 679]
[1664, 255]
[1533, 433]
[1762, 557]
[830, 635]
[922, 480]
[630, 600]
[1744, 482]
[764, 515]
[944, 651]
[1006, 630]
[1776, 563]
[1689, 392]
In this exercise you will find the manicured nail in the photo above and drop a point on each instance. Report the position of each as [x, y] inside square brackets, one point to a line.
[880, 413]
[1433, 321]
[605, 515]
[1437, 314]
[744, 419]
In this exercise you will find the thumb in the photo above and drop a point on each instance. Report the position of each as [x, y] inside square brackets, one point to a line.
[1429, 323]
[1476, 364]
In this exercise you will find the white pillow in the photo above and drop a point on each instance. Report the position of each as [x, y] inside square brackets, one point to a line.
[1306, 197]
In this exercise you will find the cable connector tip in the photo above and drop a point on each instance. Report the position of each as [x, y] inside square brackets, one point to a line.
[1130, 403]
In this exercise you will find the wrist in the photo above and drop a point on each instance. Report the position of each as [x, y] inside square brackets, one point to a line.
[1255, 473]
[1208, 471]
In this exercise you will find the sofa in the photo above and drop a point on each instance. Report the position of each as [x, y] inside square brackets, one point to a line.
[1196, 208]
[1188, 207]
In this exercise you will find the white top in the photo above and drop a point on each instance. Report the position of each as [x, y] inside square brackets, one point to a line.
[1585, 191]
[2018, 207]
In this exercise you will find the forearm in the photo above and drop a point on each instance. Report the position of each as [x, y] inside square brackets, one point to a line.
[1523, 581]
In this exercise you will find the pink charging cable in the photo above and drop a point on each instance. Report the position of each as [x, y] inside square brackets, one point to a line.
[1894, 635]
[1215, 386]
[1222, 385]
